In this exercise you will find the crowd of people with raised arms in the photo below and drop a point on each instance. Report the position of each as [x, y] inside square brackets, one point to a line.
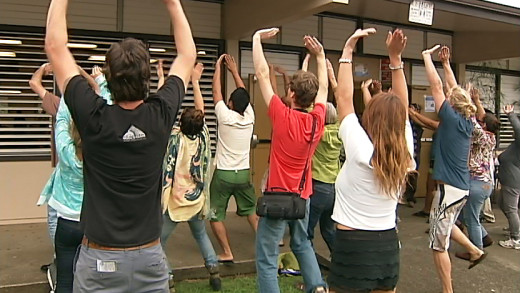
[127, 172]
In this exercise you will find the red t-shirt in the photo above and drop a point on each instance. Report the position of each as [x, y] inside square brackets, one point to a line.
[290, 146]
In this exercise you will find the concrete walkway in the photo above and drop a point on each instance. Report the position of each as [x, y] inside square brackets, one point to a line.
[24, 248]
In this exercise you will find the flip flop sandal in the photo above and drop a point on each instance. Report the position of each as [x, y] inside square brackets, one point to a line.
[475, 262]
[226, 261]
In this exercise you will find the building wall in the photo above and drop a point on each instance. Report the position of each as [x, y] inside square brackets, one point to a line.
[22, 182]
[20, 186]
[137, 16]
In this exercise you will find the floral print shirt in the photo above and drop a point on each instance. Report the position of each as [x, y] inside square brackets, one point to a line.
[481, 159]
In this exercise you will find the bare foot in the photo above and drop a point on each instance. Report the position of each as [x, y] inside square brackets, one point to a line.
[225, 257]
[476, 254]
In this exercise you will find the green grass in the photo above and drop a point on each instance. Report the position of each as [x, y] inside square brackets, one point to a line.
[239, 284]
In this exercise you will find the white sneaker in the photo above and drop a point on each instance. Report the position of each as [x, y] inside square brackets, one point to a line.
[510, 243]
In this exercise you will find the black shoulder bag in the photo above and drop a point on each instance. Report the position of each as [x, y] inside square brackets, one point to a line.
[286, 205]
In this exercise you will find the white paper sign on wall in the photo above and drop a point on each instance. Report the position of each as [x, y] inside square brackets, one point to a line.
[429, 104]
[421, 12]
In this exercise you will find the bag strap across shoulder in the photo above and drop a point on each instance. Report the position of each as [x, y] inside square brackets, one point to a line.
[304, 175]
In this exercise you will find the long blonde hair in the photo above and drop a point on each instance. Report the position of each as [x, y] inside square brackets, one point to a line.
[77, 140]
[460, 100]
[384, 121]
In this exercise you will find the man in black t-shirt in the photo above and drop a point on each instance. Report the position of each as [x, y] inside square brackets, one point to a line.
[123, 151]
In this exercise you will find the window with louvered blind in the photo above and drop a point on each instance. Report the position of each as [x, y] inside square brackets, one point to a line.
[25, 130]
[510, 94]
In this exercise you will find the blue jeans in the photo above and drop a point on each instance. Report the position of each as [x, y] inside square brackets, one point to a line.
[198, 230]
[268, 235]
[68, 238]
[52, 222]
[322, 204]
[479, 191]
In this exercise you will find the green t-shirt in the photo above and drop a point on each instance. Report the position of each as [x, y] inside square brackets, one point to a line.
[325, 162]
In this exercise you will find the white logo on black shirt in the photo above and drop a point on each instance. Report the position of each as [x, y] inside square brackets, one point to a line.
[134, 134]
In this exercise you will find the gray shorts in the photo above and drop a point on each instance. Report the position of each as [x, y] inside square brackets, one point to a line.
[140, 270]
[448, 201]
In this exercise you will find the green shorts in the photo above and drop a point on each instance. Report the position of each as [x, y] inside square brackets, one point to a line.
[230, 182]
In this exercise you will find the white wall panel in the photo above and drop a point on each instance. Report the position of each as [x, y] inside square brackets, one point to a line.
[289, 61]
[204, 18]
[514, 63]
[336, 31]
[376, 44]
[93, 15]
[419, 75]
[29, 12]
[292, 33]
[150, 16]
[414, 43]
[146, 16]
[85, 14]
[433, 39]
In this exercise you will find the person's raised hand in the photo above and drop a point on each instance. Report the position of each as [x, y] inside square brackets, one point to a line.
[197, 72]
[508, 109]
[160, 69]
[329, 65]
[358, 34]
[219, 60]
[396, 42]
[431, 50]
[279, 69]
[313, 45]
[474, 94]
[47, 68]
[376, 87]
[266, 33]
[444, 54]
[96, 71]
[230, 63]
[366, 83]
[411, 110]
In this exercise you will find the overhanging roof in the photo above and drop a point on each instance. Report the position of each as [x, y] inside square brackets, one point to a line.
[482, 30]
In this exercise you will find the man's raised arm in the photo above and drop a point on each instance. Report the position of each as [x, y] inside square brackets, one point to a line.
[186, 51]
[91, 81]
[261, 67]
[216, 86]
[197, 93]
[160, 74]
[444, 55]
[56, 38]
[232, 67]
[434, 78]
[332, 76]
[314, 46]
